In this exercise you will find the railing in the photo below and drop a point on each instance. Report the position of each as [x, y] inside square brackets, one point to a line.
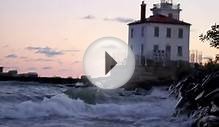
[159, 56]
[167, 5]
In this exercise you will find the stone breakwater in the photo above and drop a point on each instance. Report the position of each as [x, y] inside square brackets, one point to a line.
[198, 97]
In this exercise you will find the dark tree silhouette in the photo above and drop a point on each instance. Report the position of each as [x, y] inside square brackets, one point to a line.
[211, 36]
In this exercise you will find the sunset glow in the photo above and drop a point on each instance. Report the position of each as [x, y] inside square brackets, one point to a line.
[50, 36]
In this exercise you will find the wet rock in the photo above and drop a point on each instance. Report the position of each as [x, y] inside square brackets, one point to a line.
[199, 97]
[214, 109]
[88, 95]
[208, 121]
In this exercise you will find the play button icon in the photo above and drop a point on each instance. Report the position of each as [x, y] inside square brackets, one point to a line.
[109, 63]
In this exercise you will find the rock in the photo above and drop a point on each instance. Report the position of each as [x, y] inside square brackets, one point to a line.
[88, 95]
[214, 109]
[199, 97]
[208, 121]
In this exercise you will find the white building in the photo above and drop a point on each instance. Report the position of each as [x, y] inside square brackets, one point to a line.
[162, 36]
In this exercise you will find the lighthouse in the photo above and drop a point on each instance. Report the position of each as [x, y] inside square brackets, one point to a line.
[163, 36]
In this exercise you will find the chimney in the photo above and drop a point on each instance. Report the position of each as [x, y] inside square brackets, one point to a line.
[1, 69]
[143, 11]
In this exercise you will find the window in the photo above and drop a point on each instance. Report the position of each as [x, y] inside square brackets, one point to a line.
[132, 33]
[156, 31]
[180, 33]
[142, 49]
[142, 31]
[179, 51]
[156, 51]
[168, 32]
[168, 52]
[156, 48]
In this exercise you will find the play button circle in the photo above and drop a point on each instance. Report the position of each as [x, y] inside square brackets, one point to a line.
[109, 63]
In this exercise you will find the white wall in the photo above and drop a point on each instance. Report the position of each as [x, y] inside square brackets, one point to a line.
[137, 39]
[149, 40]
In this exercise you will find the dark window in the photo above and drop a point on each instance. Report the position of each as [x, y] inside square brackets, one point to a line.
[142, 49]
[180, 33]
[156, 48]
[156, 31]
[179, 51]
[142, 31]
[132, 33]
[168, 32]
[168, 52]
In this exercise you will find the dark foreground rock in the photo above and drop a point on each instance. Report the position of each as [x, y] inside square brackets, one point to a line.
[199, 98]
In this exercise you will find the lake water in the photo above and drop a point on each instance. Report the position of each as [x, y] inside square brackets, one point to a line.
[36, 105]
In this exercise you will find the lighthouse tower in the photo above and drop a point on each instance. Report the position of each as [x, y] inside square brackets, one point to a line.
[162, 36]
[167, 8]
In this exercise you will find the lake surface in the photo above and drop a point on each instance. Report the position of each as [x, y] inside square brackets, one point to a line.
[37, 105]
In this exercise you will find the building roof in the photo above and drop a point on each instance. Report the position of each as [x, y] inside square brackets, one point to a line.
[160, 19]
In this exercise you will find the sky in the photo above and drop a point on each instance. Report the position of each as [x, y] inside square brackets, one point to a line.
[51, 36]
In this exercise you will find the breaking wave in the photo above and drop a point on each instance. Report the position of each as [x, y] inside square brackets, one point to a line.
[111, 108]
[62, 105]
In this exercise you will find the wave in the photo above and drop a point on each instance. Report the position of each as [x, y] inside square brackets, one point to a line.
[117, 108]
[62, 105]
[59, 105]
[16, 92]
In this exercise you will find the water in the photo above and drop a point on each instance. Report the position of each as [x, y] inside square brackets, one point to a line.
[36, 105]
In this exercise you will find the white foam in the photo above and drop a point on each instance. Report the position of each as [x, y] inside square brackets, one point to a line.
[62, 105]
[59, 105]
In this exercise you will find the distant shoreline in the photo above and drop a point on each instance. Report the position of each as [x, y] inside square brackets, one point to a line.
[50, 80]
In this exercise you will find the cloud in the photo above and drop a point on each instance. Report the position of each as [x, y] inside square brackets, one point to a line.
[47, 68]
[37, 60]
[23, 57]
[116, 19]
[76, 62]
[43, 60]
[11, 56]
[73, 50]
[47, 51]
[89, 17]
[119, 19]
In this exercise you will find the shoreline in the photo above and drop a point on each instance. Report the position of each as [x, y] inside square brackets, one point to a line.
[49, 80]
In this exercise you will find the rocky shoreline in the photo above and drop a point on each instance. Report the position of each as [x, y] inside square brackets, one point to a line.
[72, 82]
[198, 97]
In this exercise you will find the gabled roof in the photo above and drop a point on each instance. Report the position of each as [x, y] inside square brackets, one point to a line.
[160, 19]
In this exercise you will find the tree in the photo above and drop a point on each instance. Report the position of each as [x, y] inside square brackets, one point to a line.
[211, 36]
